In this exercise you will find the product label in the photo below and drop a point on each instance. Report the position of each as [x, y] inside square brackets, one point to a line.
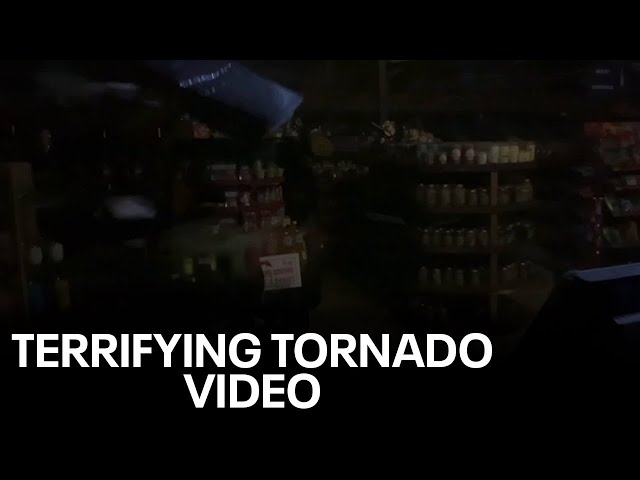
[281, 271]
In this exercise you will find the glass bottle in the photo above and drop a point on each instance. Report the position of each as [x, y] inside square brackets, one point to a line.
[469, 155]
[425, 238]
[449, 277]
[483, 238]
[447, 239]
[459, 196]
[514, 153]
[456, 155]
[494, 153]
[505, 152]
[484, 198]
[473, 198]
[445, 196]
[431, 196]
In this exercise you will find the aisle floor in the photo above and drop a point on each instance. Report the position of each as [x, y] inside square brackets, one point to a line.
[347, 308]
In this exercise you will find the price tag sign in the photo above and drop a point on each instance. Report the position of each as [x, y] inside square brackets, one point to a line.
[281, 271]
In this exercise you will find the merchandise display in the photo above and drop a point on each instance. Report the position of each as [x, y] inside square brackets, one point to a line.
[241, 218]
[339, 169]
[453, 212]
[470, 239]
[446, 196]
[215, 224]
[474, 279]
[613, 190]
[479, 155]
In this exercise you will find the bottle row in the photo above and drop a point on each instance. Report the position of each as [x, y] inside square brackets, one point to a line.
[339, 168]
[231, 173]
[253, 220]
[474, 278]
[287, 238]
[444, 195]
[245, 198]
[476, 153]
[469, 238]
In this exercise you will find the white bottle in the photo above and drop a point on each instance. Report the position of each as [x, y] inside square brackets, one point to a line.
[56, 252]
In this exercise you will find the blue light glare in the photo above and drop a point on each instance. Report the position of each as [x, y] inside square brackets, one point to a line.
[235, 85]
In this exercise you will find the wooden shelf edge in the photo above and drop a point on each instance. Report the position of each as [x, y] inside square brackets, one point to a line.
[459, 251]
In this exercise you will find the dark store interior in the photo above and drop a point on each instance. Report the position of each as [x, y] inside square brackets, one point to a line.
[331, 196]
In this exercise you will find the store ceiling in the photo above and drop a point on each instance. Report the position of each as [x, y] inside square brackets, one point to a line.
[299, 73]
[427, 84]
[523, 85]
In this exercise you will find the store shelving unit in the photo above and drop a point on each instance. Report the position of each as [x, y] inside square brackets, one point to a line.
[494, 210]
[612, 155]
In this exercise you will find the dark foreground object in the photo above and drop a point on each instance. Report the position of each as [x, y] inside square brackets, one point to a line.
[591, 320]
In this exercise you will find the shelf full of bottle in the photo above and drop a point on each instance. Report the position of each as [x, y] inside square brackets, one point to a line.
[611, 205]
[615, 144]
[231, 174]
[471, 239]
[610, 223]
[617, 194]
[336, 170]
[615, 224]
[476, 156]
[447, 278]
[254, 210]
[224, 254]
[243, 207]
[465, 199]
[252, 195]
